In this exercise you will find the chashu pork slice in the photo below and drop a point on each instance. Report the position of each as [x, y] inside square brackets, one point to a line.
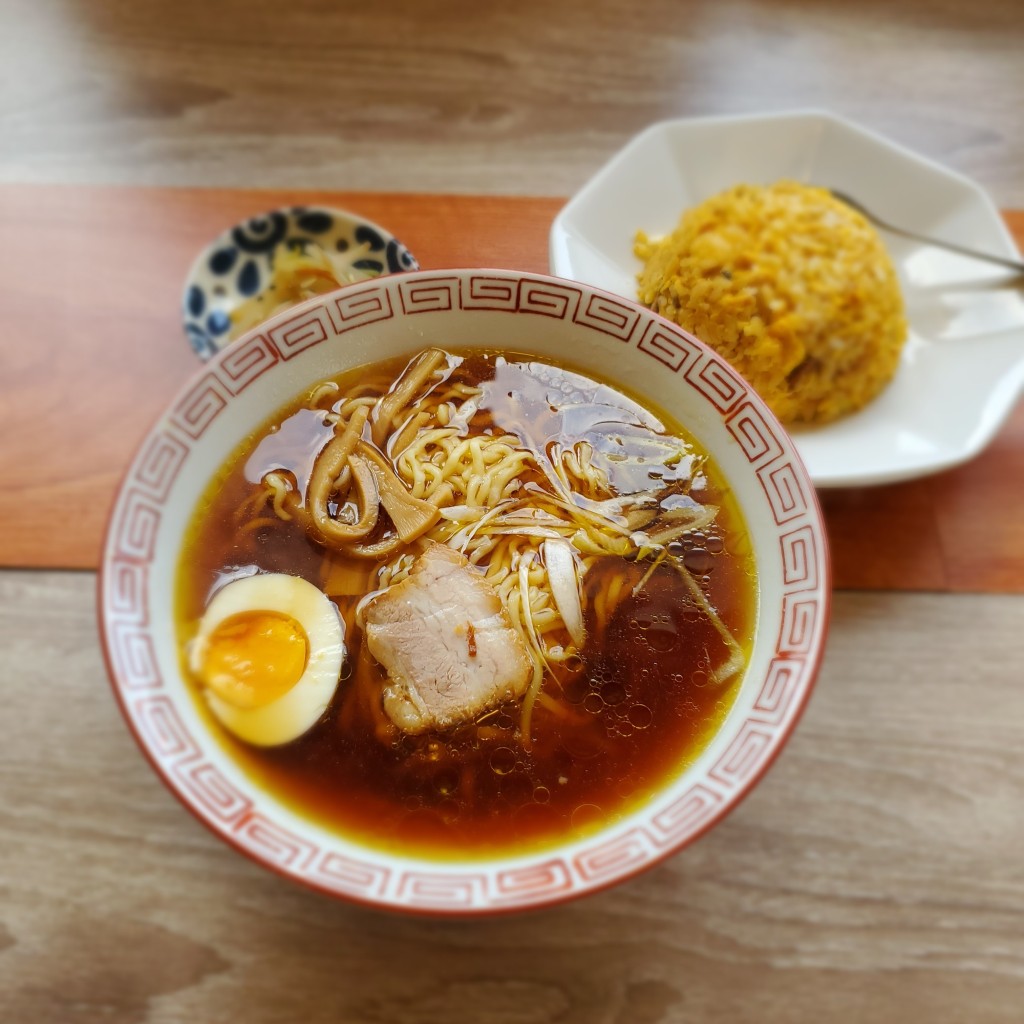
[446, 642]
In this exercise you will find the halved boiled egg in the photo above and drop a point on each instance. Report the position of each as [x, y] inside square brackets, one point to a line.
[269, 653]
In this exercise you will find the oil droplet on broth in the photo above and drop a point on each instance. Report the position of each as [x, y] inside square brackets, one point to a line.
[586, 816]
[699, 561]
[661, 637]
[503, 760]
[613, 693]
[640, 716]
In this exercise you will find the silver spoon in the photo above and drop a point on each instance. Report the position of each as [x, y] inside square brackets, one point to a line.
[1002, 261]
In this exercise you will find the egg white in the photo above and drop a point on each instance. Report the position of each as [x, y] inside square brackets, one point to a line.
[298, 710]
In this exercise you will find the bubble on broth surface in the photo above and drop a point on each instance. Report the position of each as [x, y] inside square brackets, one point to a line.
[640, 716]
[502, 760]
[613, 693]
[699, 561]
[586, 816]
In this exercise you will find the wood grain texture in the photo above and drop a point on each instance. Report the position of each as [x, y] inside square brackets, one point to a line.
[89, 364]
[875, 874]
[91, 347]
[527, 98]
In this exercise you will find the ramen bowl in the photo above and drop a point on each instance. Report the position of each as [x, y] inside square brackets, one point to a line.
[593, 331]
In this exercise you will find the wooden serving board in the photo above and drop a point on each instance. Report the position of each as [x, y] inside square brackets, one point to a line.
[92, 350]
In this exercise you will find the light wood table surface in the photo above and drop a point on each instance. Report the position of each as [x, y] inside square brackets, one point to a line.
[877, 873]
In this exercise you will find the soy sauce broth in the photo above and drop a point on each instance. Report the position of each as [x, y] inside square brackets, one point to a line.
[637, 706]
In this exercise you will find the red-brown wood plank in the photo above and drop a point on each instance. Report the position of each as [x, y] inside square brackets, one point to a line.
[90, 282]
[91, 347]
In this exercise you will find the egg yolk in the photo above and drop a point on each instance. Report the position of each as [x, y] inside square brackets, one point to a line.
[253, 658]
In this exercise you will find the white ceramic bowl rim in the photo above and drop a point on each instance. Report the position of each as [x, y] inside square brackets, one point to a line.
[590, 329]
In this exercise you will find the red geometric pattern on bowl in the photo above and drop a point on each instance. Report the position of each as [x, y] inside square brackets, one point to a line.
[686, 815]
[799, 563]
[131, 647]
[349, 311]
[246, 361]
[436, 889]
[494, 293]
[744, 755]
[183, 759]
[161, 726]
[138, 522]
[670, 346]
[430, 294]
[756, 436]
[800, 616]
[128, 591]
[548, 299]
[715, 380]
[547, 879]
[159, 464]
[201, 405]
[349, 876]
[213, 791]
[785, 491]
[609, 316]
[301, 332]
[273, 843]
[782, 682]
[623, 855]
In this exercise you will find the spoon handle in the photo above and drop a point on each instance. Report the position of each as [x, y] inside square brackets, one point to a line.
[1002, 261]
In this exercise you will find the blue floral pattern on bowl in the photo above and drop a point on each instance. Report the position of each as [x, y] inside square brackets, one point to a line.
[237, 265]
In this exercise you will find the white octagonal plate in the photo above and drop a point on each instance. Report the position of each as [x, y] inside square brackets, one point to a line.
[963, 366]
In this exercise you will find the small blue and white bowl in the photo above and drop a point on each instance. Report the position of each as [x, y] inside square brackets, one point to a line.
[237, 265]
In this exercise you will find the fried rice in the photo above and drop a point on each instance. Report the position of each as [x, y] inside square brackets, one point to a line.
[791, 286]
